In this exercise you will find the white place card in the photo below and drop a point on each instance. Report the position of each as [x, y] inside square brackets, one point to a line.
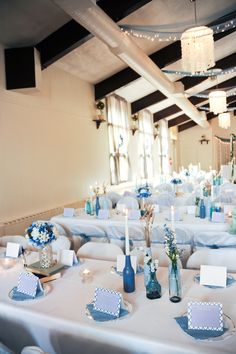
[13, 249]
[103, 214]
[121, 207]
[69, 212]
[108, 301]
[191, 209]
[68, 258]
[120, 262]
[213, 275]
[205, 316]
[28, 284]
[218, 217]
[134, 214]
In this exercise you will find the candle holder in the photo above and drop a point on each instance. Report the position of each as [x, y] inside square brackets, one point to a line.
[8, 262]
[86, 275]
[128, 276]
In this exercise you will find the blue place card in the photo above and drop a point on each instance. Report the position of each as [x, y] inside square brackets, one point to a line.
[205, 316]
[28, 284]
[103, 214]
[108, 301]
[134, 214]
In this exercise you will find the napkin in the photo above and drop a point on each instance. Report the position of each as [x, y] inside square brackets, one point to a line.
[103, 317]
[197, 333]
[229, 281]
[17, 296]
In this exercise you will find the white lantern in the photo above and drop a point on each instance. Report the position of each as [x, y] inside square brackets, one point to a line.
[224, 120]
[197, 45]
[217, 101]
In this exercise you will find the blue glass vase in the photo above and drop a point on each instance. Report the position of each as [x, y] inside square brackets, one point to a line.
[88, 207]
[175, 292]
[128, 276]
[147, 269]
[97, 205]
[202, 210]
[153, 288]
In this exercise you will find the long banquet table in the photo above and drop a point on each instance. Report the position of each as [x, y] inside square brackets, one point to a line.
[58, 323]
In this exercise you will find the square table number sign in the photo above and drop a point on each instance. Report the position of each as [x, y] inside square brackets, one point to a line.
[205, 316]
[107, 301]
[68, 258]
[69, 212]
[28, 284]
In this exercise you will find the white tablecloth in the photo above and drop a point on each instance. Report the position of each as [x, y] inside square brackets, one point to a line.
[58, 323]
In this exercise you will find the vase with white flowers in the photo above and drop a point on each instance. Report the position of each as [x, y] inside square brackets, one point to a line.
[175, 292]
[41, 234]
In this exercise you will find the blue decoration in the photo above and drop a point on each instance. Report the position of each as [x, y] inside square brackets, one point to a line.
[143, 191]
[174, 283]
[128, 276]
[41, 234]
[176, 181]
[88, 207]
[153, 288]
[202, 210]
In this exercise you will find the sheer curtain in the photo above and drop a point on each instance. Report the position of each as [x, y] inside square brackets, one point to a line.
[164, 142]
[118, 132]
[146, 140]
[222, 152]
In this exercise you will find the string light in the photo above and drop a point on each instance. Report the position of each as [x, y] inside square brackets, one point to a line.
[208, 73]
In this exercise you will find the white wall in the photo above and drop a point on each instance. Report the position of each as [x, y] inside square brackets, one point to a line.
[50, 150]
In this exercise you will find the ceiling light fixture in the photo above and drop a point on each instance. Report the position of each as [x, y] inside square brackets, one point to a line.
[224, 120]
[217, 101]
[197, 46]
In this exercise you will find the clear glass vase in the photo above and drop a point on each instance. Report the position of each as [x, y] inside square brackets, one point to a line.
[175, 292]
[46, 257]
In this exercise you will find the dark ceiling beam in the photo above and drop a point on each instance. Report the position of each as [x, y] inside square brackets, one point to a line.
[194, 100]
[187, 81]
[72, 34]
[178, 120]
[161, 58]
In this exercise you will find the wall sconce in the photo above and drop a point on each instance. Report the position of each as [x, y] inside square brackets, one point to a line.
[155, 130]
[134, 118]
[100, 116]
[204, 139]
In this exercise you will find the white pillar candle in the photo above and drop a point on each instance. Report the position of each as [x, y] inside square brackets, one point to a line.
[172, 216]
[126, 233]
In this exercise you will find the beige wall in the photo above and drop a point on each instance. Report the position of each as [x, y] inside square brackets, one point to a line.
[50, 150]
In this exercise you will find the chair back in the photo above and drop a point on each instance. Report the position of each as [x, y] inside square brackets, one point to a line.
[97, 250]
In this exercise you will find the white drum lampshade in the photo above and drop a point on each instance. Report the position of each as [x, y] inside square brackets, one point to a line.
[224, 120]
[217, 101]
[197, 45]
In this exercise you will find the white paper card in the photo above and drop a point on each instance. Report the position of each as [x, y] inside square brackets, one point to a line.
[121, 207]
[218, 217]
[103, 214]
[191, 209]
[120, 263]
[156, 209]
[68, 258]
[134, 214]
[107, 301]
[213, 275]
[13, 249]
[69, 212]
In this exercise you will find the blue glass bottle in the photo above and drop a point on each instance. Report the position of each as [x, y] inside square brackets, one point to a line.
[153, 288]
[175, 289]
[202, 210]
[88, 207]
[128, 276]
[97, 205]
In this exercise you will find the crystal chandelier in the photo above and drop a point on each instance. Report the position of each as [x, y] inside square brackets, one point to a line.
[197, 46]
[217, 101]
[224, 120]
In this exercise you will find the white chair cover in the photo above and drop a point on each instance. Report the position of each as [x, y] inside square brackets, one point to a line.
[15, 239]
[217, 257]
[103, 251]
[164, 199]
[116, 234]
[130, 202]
[214, 239]
[224, 197]
[4, 349]
[105, 202]
[187, 187]
[114, 197]
[32, 350]
[164, 187]
[129, 194]
[61, 243]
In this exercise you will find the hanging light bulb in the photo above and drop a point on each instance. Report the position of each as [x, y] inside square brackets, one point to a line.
[217, 101]
[197, 46]
[224, 120]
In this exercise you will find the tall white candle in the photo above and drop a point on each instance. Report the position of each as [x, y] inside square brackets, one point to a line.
[126, 233]
[172, 216]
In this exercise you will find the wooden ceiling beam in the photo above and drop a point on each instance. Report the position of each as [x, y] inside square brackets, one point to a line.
[72, 34]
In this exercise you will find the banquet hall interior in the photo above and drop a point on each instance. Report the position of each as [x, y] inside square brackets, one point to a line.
[118, 176]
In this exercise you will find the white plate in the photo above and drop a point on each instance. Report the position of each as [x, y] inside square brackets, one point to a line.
[127, 305]
[46, 288]
[228, 323]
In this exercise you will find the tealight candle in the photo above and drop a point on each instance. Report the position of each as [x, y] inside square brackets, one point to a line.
[86, 275]
[8, 262]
